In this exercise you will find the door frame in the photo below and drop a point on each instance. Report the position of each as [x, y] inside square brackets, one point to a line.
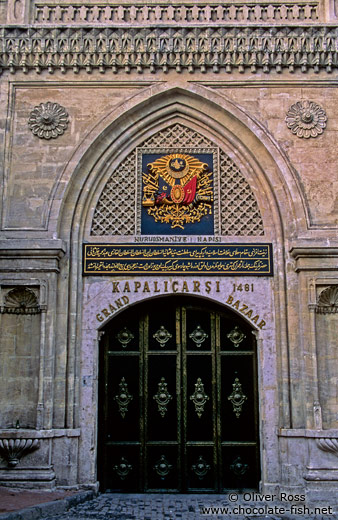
[102, 300]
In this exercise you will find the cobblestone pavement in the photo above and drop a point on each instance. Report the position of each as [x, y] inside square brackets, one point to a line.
[109, 506]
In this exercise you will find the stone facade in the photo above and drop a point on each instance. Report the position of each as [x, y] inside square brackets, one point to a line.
[86, 85]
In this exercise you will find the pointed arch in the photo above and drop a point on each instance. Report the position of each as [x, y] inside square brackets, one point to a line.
[236, 205]
[269, 172]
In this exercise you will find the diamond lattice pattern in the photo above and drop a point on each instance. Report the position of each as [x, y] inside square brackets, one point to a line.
[115, 212]
[240, 214]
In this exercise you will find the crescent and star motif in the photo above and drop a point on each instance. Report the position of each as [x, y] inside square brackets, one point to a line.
[177, 190]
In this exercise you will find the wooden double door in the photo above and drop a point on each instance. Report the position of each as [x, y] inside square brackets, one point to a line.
[178, 408]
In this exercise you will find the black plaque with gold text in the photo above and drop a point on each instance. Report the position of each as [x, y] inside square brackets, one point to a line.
[197, 259]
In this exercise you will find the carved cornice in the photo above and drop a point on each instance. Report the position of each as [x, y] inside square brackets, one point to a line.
[200, 49]
[312, 258]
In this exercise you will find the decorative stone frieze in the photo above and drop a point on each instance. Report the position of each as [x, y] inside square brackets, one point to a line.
[20, 300]
[328, 301]
[13, 449]
[47, 12]
[167, 48]
[306, 119]
[48, 120]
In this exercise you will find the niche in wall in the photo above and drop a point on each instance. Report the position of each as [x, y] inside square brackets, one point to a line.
[327, 354]
[19, 356]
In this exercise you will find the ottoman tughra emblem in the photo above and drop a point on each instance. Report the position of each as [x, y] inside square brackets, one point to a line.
[177, 190]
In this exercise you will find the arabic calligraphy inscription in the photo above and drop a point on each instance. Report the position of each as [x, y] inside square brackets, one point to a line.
[178, 259]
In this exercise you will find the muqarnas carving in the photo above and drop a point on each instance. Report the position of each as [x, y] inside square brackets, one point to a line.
[306, 119]
[48, 120]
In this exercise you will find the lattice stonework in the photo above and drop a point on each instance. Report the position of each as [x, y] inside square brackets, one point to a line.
[240, 214]
[115, 213]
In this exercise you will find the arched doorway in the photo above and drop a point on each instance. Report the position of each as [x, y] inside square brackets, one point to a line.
[178, 399]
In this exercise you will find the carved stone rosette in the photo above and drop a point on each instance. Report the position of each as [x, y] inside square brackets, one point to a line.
[48, 120]
[13, 450]
[306, 119]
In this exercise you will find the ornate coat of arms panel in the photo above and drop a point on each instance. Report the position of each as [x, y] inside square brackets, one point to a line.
[177, 192]
[127, 205]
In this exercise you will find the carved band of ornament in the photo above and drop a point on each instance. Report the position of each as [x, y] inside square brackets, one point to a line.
[20, 301]
[263, 12]
[328, 301]
[13, 449]
[327, 444]
[146, 49]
